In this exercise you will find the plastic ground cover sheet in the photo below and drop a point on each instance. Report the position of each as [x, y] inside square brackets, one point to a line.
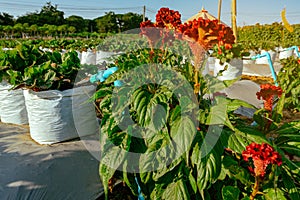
[60, 171]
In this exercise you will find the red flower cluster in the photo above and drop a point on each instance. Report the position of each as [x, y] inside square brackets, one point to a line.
[166, 20]
[261, 155]
[267, 93]
[207, 33]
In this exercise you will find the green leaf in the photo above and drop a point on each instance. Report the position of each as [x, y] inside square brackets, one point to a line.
[176, 190]
[288, 128]
[234, 104]
[209, 168]
[230, 193]
[236, 171]
[274, 194]
[290, 186]
[193, 182]
[182, 133]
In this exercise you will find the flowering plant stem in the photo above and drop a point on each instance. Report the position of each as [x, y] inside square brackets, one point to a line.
[255, 187]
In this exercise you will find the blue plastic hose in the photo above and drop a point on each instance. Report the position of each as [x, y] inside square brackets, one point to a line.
[267, 54]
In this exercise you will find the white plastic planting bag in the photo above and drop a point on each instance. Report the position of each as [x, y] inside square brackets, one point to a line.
[247, 59]
[264, 60]
[102, 56]
[79, 55]
[234, 69]
[283, 54]
[88, 57]
[12, 105]
[56, 116]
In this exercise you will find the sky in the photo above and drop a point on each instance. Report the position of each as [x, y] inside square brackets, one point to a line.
[249, 12]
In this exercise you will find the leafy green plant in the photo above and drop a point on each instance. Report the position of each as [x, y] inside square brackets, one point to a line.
[157, 136]
[59, 72]
[288, 79]
[14, 62]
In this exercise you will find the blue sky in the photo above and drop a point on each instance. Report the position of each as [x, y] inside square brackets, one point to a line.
[248, 12]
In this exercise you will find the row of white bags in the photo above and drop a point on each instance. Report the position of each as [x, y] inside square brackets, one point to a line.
[277, 55]
[53, 116]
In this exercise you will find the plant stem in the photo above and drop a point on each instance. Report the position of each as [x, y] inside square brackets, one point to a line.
[255, 188]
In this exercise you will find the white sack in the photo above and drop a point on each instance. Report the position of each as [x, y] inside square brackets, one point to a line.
[102, 56]
[233, 71]
[88, 57]
[12, 105]
[56, 116]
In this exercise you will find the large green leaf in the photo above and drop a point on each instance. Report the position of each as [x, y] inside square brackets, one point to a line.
[288, 128]
[176, 190]
[182, 133]
[241, 137]
[289, 184]
[207, 163]
[274, 194]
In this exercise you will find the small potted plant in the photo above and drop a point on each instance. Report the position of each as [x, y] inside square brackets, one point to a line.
[228, 61]
[58, 107]
[13, 62]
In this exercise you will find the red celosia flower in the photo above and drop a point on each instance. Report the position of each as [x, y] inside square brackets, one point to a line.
[207, 33]
[266, 93]
[298, 61]
[261, 155]
[166, 20]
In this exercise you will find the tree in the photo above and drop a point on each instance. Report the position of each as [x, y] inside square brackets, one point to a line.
[107, 23]
[78, 22]
[62, 28]
[30, 18]
[51, 15]
[18, 29]
[33, 29]
[130, 21]
[8, 30]
[6, 19]
[71, 29]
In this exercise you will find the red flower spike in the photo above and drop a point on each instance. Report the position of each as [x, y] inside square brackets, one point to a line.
[261, 155]
[266, 93]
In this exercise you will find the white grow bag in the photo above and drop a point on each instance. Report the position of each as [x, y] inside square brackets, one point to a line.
[88, 58]
[234, 69]
[56, 116]
[12, 105]
[283, 54]
[264, 60]
[102, 56]
[247, 59]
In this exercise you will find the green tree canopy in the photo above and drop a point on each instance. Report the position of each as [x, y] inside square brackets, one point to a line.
[6, 19]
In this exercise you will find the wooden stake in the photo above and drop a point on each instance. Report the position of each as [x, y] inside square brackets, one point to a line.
[233, 19]
[219, 10]
[144, 13]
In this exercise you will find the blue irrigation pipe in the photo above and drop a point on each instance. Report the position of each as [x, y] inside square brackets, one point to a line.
[293, 48]
[140, 196]
[267, 54]
[102, 75]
